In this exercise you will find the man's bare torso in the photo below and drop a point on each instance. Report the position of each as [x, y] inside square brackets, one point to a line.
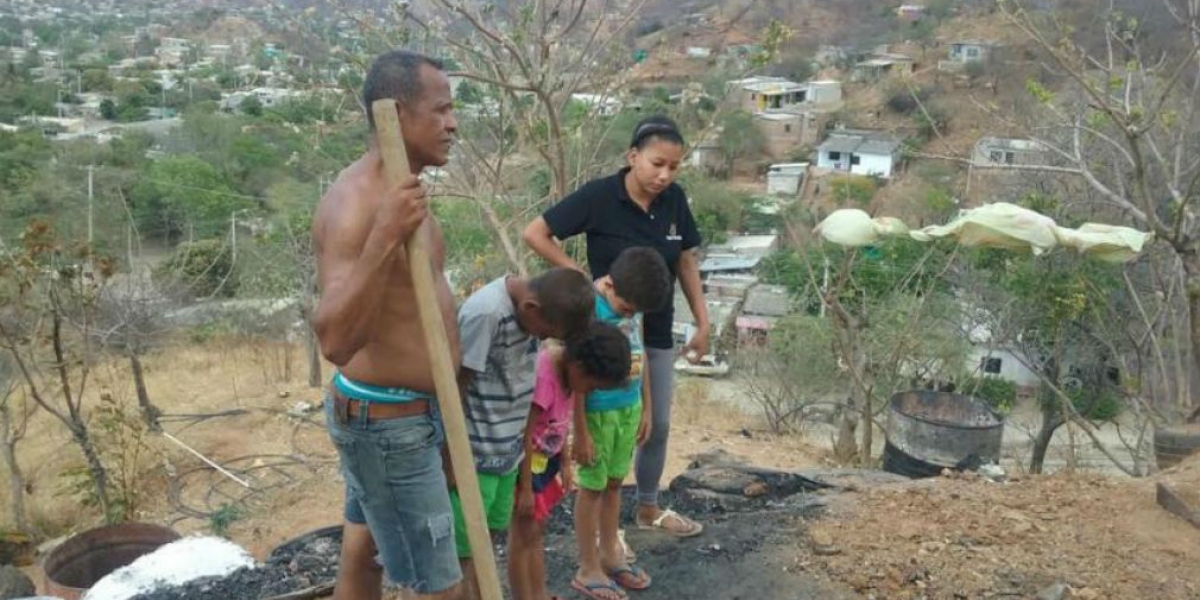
[395, 355]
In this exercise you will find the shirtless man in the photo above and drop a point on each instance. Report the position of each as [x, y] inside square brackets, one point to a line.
[381, 411]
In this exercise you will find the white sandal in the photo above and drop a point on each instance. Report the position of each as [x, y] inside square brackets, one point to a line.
[666, 514]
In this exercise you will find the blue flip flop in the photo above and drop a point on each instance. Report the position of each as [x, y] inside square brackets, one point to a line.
[623, 575]
[589, 589]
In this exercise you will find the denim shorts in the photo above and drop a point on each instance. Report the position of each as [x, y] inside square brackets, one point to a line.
[395, 485]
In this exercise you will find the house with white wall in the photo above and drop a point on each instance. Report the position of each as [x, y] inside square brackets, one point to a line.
[860, 152]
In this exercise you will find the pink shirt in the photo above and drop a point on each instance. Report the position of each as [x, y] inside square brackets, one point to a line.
[549, 394]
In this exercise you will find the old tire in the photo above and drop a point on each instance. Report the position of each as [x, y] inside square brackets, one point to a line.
[14, 583]
[1174, 443]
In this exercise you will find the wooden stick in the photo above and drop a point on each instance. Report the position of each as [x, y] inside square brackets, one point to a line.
[395, 162]
[208, 462]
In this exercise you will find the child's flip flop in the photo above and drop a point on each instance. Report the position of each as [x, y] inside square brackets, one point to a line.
[591, 590]
[632, 578]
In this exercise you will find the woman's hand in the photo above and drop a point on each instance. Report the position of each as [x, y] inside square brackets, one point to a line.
[697, 347]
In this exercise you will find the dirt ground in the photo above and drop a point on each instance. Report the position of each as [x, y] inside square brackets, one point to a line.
[942, 538]
[965, 537]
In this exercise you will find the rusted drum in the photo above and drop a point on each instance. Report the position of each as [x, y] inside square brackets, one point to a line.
[81, 561]
[931, 431]
[1173, 443]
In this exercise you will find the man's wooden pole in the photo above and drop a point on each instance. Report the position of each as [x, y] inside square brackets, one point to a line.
[395, 162]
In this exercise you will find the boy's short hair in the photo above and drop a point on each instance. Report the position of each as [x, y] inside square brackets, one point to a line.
[566, 297]
[641, 278]
[603, 352]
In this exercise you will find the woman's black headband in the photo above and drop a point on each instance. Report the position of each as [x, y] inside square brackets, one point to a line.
[649, 129]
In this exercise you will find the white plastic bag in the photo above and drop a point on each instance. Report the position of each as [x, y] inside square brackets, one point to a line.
[1109, 243]
[999, 225]
[854, 228]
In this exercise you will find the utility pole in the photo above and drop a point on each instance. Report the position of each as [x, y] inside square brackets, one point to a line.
[233, 237]
[91, 170]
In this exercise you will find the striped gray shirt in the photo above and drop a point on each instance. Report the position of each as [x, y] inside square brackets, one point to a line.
[502, 358]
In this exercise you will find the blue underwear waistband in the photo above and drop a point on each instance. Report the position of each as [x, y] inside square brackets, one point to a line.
[375, 393]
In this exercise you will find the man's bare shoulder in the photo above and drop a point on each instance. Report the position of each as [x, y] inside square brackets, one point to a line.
[346, 208]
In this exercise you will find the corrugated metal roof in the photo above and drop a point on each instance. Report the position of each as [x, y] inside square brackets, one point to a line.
[729, 263]
[840, 143]
[767, 301]
[860, 143]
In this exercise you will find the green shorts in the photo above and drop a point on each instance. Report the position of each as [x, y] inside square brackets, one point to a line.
[499, 495]
[614, 435]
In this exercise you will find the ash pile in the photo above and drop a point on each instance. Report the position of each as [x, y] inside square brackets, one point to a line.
[303, 568]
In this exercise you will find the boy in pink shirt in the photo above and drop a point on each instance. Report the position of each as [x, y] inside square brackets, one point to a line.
[599, 359]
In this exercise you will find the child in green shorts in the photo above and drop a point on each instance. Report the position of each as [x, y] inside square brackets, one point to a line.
[500, 326]
[609, 424]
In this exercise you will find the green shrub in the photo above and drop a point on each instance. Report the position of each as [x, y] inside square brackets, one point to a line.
[1000, 394]
[200, 269]
[1097, 405]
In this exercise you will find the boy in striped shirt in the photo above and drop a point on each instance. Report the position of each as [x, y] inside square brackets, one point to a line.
[500, 326]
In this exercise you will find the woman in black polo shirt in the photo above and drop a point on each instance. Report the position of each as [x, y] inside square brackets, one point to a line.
[641, 205]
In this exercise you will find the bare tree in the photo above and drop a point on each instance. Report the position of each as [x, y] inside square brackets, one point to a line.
[1128, 125]
[130, 312]
[48, 330]
[14, 424]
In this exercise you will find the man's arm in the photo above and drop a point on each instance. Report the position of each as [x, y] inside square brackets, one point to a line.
[356, 253]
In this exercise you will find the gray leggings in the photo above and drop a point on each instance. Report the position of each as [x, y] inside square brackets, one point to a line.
[652, 456]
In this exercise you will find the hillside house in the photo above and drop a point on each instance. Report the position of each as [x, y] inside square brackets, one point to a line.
[747, 245]
[764, 94]
[706, 154]
[764, 306]
[964, 52]
[881, 66]
[267, 96]
[1001, 363]
[783, 132]
[729, 264]
[789, 114]
[785, 178]
[861, 152]
[996, 151]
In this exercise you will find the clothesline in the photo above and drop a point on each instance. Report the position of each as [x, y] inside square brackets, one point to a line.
[997, 225]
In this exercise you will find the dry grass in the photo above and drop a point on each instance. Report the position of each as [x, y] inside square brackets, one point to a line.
[188, 378]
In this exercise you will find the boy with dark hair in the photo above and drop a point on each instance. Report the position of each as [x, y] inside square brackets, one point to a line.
[610, 423]
[500, 326]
